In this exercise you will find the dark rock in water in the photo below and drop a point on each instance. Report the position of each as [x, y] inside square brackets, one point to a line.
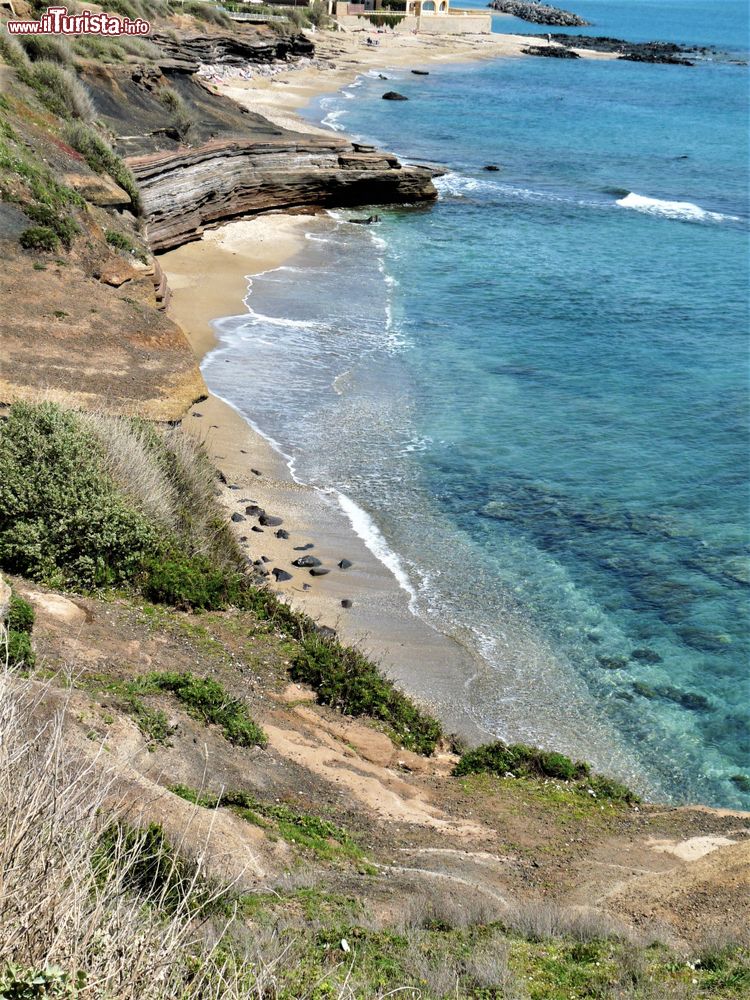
[654, 58]
[238, 517]
[319, 571]
[269, 521]
[491, 167]
[391, 95]
[645, 690]
[740, 780]
[688, 699]
[420, 72]
[382, 77]
[346, 603]
[366, 222]
[304, 548]
[645, 655]
[706, 642]
[281, 575]
[254, 510]
[345, 564]
[551, 52]
[325, 631]
[282, 533]
[538, 13]
[652, 52]
[612, 662]
[256, 528]
[307, 561]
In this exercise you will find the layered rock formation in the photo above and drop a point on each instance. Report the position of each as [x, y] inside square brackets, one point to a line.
[538, 13]
[235, 49]
[224, 161]
[652, 52]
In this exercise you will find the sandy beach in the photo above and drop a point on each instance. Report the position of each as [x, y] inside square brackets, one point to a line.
[209, 280]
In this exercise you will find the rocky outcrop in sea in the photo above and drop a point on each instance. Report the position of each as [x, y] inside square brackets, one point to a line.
[538, 13]
[652, 52]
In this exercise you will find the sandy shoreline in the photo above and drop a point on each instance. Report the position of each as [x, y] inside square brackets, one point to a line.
[209, 281]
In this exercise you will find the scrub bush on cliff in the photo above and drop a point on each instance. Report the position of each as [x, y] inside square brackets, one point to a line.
[62, 519]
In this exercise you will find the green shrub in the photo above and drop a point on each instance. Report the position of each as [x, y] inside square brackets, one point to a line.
[382, 20]
[207, 12]
[62, 519]
[47, 47]
[60, 90]
[150, 866]
[21, 615]
[64, 227]
[192, 582]
[103, 160]
[181, 115]
[343, 678]
[50, 983]
[119, 240]
[207, 700]
[15, 639]
[521, 761]
[40, 238]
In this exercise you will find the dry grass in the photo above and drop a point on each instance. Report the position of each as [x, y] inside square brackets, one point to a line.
[169, 479]
[538, 920]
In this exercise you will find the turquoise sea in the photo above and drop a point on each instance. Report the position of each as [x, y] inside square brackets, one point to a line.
[537, 388]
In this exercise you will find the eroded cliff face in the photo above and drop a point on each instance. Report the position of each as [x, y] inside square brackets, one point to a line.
[215, 160]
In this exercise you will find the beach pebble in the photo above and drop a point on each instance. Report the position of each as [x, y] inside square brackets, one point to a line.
[197, 414]
[347, 603]
[282, 533]
[254, 510]
[281, 574]
[265, 559]
[256, 528]
[306, 586]
[345, 564]
[319, 571]
[326, 632]
[238, 517]
[256, 472]
[306, 561]
[270, 521]
[304, 548]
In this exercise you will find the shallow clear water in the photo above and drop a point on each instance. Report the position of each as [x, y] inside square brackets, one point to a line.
[538, 387]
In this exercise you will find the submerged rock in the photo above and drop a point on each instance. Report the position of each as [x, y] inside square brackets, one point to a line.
[392, 95]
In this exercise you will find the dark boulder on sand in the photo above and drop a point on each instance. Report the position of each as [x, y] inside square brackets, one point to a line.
[347, 603]
[319, 571]
[269, 521]
[281, 575]
[238, 517]
[306, 561]
[345, 564]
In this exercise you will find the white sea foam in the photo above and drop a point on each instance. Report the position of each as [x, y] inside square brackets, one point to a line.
[685, 211]
[455, 185]
[366, 529]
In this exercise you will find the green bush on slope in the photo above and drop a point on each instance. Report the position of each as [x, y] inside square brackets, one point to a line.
[344, 679]
[62, 519]
[523, 761]
[15, 641]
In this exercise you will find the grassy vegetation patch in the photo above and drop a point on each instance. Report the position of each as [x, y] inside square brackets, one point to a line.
[206, 699]
[521, 761]
[345, 679]
[313, 833]
[103, 160]
[15, 638]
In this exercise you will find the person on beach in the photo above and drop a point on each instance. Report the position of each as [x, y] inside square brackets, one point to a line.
[549, 38]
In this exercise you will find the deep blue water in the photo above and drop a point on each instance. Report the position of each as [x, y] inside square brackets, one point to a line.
[538, 388]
